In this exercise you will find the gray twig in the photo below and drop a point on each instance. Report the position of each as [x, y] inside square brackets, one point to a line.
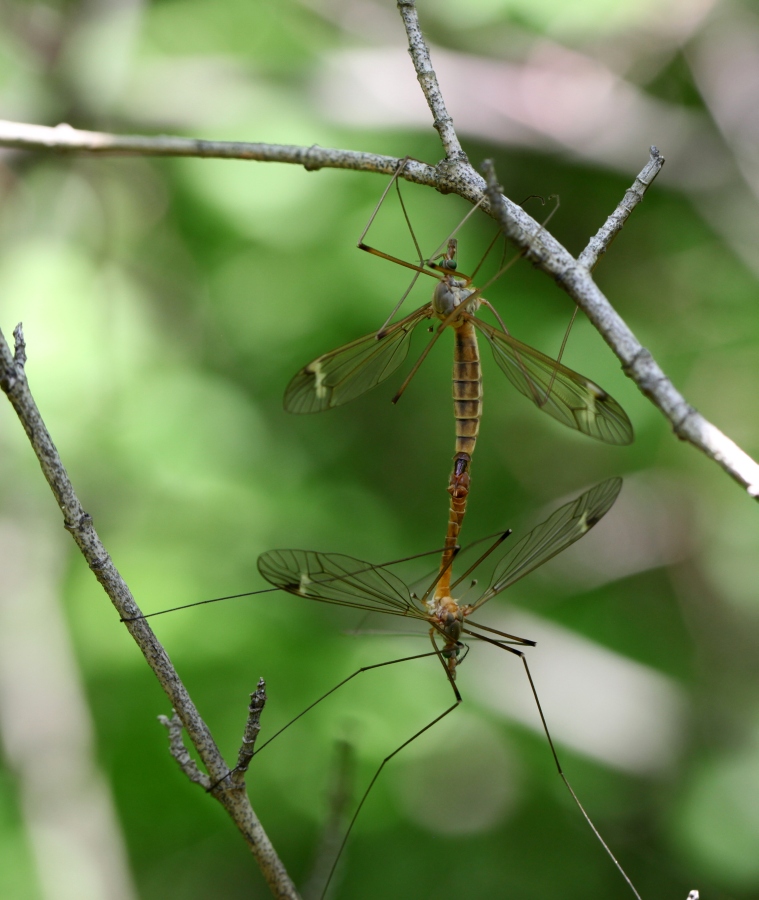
[425, 73]
[599, 243]
[547, 254]
[65, 139]
[180, 753]
[252, 727]
[79, 523]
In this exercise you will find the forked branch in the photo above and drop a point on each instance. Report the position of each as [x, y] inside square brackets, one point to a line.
[457, 176]
[79, 523]
[573, 276]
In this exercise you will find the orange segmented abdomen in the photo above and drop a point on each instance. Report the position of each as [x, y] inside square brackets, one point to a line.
[458, 488]
[467, 408]
[467, 388]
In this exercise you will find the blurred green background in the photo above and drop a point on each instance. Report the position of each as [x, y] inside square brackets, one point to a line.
[167, 303]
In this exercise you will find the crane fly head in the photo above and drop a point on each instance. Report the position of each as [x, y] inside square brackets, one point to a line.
[446, 261]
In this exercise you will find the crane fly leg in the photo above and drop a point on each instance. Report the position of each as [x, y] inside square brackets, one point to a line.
[395, 752]
[557, 762]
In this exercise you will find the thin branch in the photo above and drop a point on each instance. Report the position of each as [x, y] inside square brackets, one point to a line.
[425, 73]
[548, 255]
[252, 727]
[79, 523]
[180, 753]
[599, 243]
[65, 139]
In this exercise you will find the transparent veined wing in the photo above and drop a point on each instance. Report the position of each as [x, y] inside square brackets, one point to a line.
[351, 370]
[567, 525]
[566, 395]
[334, 578]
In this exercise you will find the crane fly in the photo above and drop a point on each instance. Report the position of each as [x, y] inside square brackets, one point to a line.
[345, 581]
[349, 371]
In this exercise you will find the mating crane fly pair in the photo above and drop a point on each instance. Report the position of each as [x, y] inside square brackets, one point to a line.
[349, 371]
[343, 374]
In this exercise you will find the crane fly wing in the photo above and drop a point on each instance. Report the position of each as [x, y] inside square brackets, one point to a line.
[566, 395]
[567, 525]
[346, 373]
[334, 578]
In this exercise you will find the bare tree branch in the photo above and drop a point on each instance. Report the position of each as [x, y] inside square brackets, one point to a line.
[180, 753]
[252, 727]
[79, 523]
[599, 243]
[549, 256]
[425, 73]
[65, 139]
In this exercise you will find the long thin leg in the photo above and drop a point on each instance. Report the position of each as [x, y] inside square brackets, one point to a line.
[441, 248]
[414, 280]
[270, 590]
[562, 348]
[395, 753]
[523, 642]
[494, 546]
[440, 329]
[559, 769]
[203, 603]
[389, 662]
[485, 255]
[540, 401]
[396, 174]
[421, 268]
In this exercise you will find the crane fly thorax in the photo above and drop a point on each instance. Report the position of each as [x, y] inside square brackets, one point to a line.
[449, 294]
[445, 613]
[446, 619]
